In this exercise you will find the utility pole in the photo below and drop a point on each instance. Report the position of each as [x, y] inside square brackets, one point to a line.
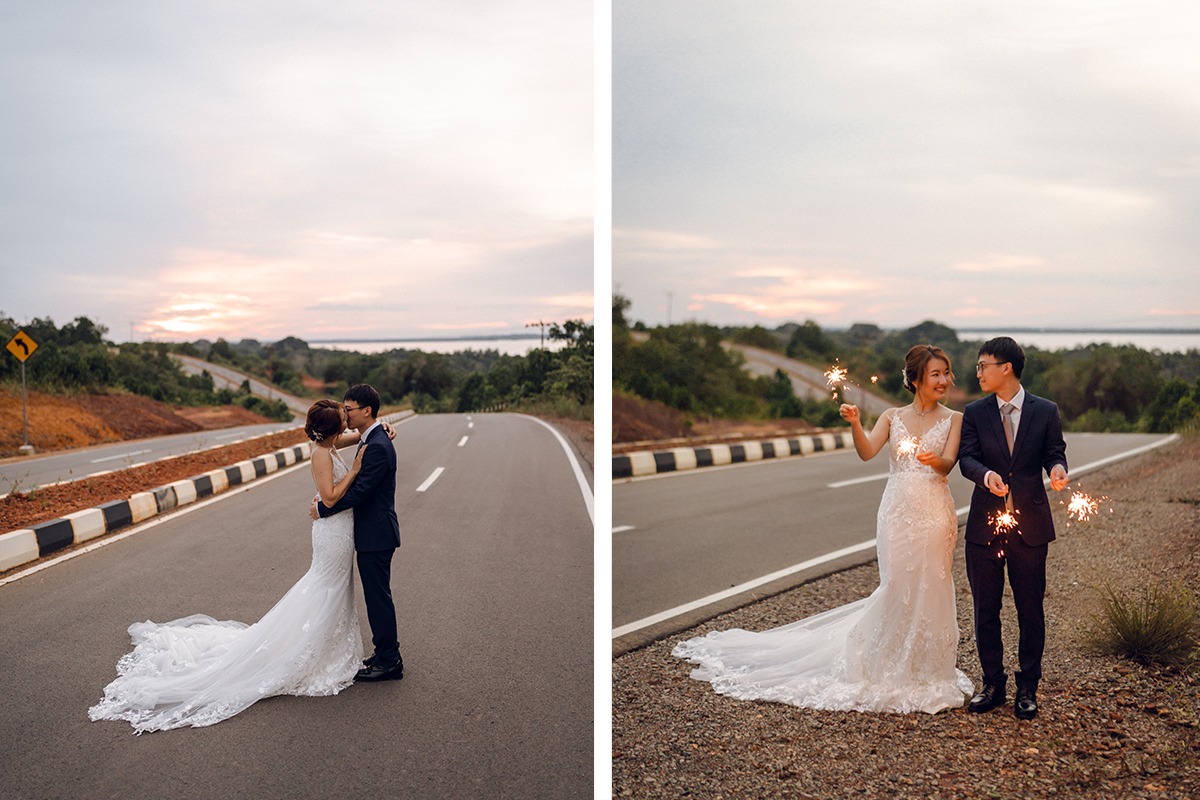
[542, 325]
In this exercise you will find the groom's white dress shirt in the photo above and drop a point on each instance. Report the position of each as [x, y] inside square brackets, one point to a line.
[363, 438]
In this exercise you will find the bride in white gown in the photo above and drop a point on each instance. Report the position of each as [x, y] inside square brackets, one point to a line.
[198, 671]
[893, 651]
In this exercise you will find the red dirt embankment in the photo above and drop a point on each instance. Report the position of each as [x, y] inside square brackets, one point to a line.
[58, 422]
[637, 422]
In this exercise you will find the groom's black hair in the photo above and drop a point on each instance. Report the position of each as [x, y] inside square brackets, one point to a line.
[364, 395]
[1002, 348]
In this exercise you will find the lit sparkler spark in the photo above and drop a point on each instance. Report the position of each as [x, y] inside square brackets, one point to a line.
[907, 446]
[1005, 521]
[835, 375]
[1081, 507]
[874, 379]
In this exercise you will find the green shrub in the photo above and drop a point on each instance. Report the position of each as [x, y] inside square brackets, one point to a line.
[1157, 624]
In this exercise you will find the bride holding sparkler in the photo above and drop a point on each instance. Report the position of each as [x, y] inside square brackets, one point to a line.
[893, 651]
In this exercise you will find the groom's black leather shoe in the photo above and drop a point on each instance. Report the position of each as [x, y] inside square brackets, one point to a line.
[369, 661]
[989, 697]
[376, 672]
[1025, 705]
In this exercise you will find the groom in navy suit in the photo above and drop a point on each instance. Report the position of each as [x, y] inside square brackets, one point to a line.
[1008, 439]
[376, 530]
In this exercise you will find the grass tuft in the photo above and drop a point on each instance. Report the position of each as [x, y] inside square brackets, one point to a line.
[1156, 625]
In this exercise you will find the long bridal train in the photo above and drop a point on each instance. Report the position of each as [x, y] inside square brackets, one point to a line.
[197, 671]
[893, 651]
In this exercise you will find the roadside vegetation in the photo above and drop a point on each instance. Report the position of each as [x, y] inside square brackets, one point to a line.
[1098, 388]
[76, 358]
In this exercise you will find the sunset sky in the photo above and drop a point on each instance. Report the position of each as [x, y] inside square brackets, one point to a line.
[359, 169]
[1028, 163]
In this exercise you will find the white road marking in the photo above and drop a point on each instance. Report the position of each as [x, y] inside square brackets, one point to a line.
[463, 441]
[429, 481]
[712, 598]
[470, 424]
[622, 528]
[854, 481]
[588, 498]
[122, 455]
[158, 520]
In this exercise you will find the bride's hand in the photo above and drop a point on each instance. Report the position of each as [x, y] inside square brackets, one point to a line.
[928, 457]
[357, 465]
[388, 429]
[849, 413]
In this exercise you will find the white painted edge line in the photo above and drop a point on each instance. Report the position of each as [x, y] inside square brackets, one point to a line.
[588, 498]
[622, 528]
[712, 598]
[157, 520]
[783, 573]
[429, 481]
[855, 481]
[463, 441]
[120, 455]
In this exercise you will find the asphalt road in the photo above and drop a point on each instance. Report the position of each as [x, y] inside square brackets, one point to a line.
[681, 537]
[227, 378]
[30, 472]
[493, 588]
[810, 382]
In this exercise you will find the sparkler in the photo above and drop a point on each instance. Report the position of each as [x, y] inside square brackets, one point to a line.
[874, 379]
[1004, 522]
[835, 376]
[1081, 506]
[907, 446]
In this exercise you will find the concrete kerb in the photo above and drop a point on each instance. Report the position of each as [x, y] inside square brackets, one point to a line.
[654, 462]
[29, 544]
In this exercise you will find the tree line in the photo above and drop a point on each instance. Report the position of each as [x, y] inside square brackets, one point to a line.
[77, 357]
[1098, 388]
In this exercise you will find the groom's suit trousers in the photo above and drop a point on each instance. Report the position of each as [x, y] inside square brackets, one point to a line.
[375, 572]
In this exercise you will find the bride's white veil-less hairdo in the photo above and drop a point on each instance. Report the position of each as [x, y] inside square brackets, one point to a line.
[916, 363]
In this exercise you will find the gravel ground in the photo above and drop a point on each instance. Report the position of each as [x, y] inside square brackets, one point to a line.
[1107, 727]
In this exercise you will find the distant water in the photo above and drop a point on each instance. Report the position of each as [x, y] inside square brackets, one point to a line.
[507, 347]
[1061, 340]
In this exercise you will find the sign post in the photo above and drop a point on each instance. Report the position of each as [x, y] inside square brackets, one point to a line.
[22, 347]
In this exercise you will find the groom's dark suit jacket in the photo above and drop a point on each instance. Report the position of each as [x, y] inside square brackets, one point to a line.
[1038, 447]
[373, 497]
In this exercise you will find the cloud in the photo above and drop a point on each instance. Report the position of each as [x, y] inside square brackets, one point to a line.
[438, 154]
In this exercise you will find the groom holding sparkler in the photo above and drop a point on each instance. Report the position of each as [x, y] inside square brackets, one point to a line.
[1007, 440]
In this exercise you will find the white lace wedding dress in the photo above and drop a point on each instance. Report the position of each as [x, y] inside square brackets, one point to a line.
[197, 671]
[893, 651]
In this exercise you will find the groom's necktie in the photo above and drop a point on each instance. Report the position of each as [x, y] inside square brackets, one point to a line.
[1006, 411]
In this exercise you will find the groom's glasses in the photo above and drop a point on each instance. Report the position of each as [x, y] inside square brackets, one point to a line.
[980, 366]
[352, 408]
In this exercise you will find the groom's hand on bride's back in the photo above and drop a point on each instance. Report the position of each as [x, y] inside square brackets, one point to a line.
[312, 509]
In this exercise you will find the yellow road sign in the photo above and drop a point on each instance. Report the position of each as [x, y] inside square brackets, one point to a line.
[22, 346]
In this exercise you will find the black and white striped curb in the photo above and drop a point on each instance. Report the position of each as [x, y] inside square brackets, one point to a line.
[632, 465]
[27, 544]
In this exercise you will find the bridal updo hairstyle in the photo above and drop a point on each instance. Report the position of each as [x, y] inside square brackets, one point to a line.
[917, 362]
[324, 420]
